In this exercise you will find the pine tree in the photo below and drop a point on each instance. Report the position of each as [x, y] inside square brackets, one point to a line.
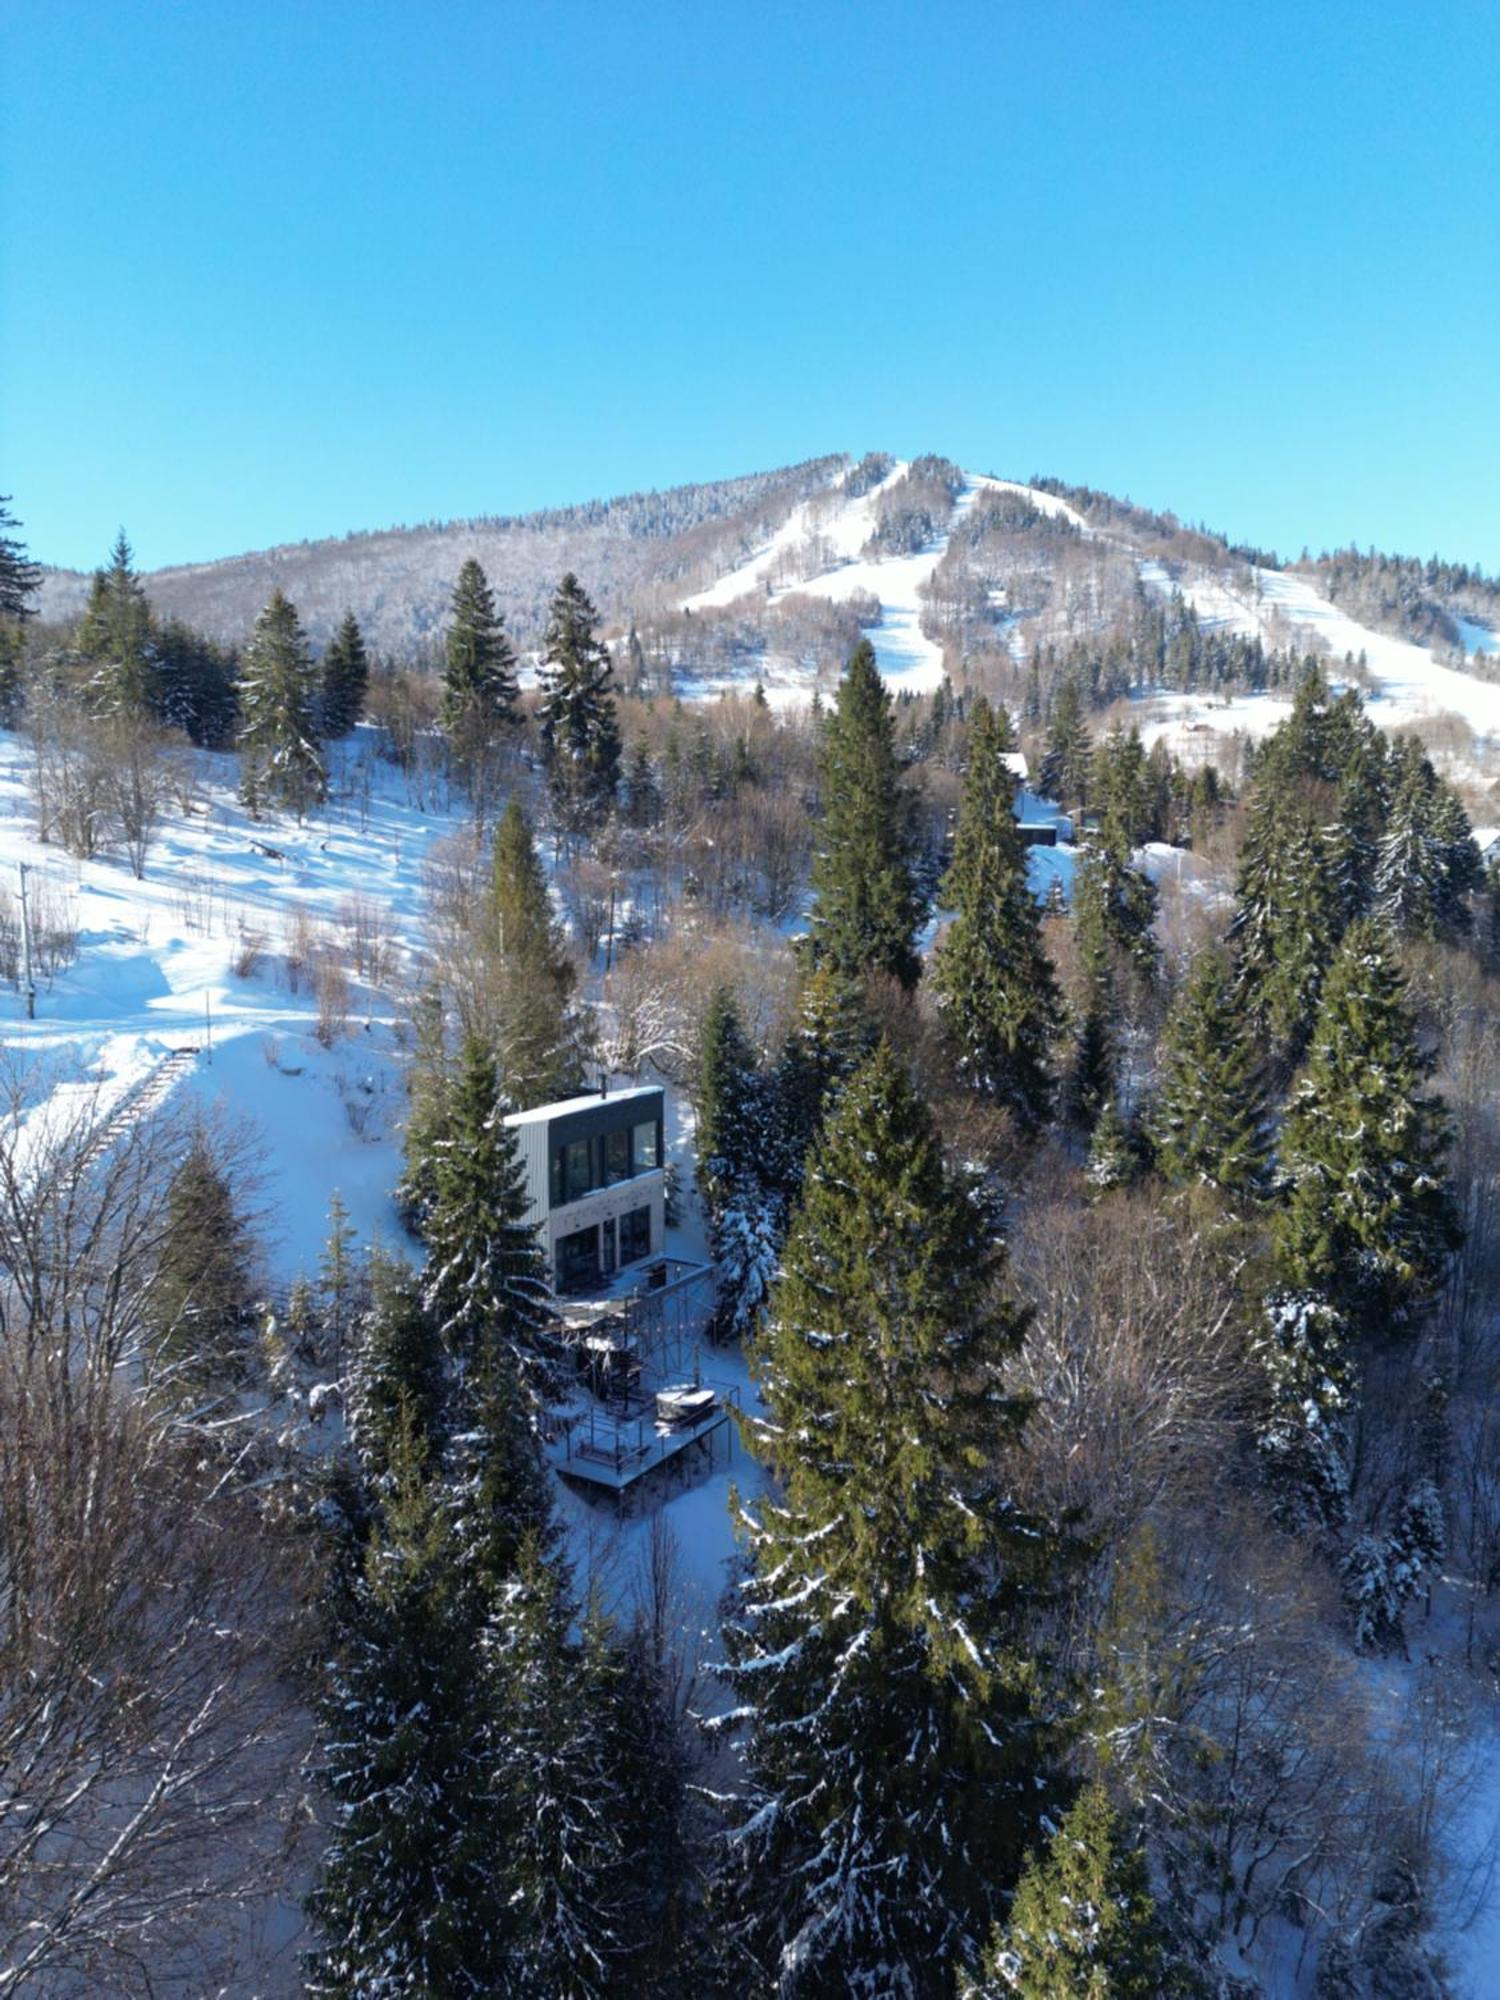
[343, 680]
[413, 1899]
[877, 1655]
[553, 1757]
[20, 577]
[1287, 920]
[480, 694]
[485, 1283]
[579, 727]
[339, 1281]
[200, 1298]
[829, 1038]
[997, 997]
[747, 1236]
[397, 1376]
[1083, 1925]
[118, 638]
[196, 686]
[1114, 911]
[728, 1102]
[1303, 1433]
[1066, 765]
[1208, 1121]
[543, 1037]
[1090, 1083]
[1112, 1161]
[281, 763]
[866, 906]
[1368, 1221]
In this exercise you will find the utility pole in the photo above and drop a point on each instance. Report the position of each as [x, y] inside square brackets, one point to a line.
[28, 980]
[208, 1028]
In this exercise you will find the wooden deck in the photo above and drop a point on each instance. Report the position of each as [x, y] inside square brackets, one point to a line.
[614, 1454]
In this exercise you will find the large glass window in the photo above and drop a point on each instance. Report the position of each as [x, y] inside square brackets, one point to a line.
[578, 1260]
[616, 1157]
[578, 1175]
[635, 1235]
[644, 1146]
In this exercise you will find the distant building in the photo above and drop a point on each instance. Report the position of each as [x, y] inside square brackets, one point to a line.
[595, 1175]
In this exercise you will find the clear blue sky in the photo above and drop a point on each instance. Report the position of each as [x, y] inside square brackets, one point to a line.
[282, 268]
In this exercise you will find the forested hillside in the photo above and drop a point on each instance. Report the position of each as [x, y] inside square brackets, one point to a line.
[1070, 948]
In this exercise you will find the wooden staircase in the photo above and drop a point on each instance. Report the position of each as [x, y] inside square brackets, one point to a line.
[138, 1104]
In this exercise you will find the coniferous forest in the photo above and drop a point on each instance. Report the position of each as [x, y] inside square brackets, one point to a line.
[1109, 1244]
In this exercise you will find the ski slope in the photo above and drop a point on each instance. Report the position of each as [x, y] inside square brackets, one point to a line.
[1408, 684]
[835, 528]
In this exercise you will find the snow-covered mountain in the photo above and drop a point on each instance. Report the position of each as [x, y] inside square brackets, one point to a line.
[774, 576]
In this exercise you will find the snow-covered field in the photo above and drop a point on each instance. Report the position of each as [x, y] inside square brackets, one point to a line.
[196, 956]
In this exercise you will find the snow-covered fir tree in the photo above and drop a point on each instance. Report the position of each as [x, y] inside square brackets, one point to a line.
[343, 679]
[411, 1899]
[1368, 1220]
[118, 638]
[879, 1651]
[866, 906]
[480, 694]
[485, 1282]
[997, 998]
[579, 727]
[1303, 1346]
[552, 1759]
[1208, 1118]
[1113, 1161]
[1287, 919]
[281, 761]
[1083, 1925]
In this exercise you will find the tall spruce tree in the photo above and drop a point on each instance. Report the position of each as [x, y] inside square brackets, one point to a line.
[879, 1652]
[199, 1301]
[579, 727]
[414, 1898]
[1288, 916]
[553, 1758]
[20, 577]
[20, 580]
[997, 997]
[830, 1036]
[1067, 761]
[543, 1035]
[866, 906]
[480, 694]
[485, 1283]
[1208, 1120]
[281, 761]
[728, 1102]
[397, 1375]
[118, 638]
[344, 679]
[1083, 1925]
[1368, 1221]
[196, 684]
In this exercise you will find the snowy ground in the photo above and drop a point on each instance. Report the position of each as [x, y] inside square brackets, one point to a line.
[160, 964]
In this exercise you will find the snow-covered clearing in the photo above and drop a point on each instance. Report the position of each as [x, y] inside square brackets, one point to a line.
[202, 954]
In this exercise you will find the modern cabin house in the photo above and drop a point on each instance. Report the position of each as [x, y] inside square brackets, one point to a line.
[595, 1175]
